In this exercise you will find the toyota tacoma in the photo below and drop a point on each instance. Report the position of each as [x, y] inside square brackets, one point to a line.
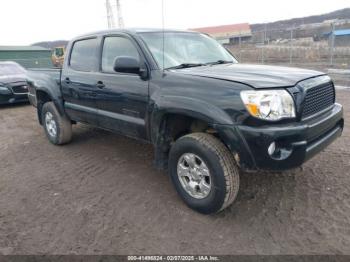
[206, 115]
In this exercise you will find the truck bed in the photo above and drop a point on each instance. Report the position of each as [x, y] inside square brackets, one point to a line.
[55, 73]
[45, 79]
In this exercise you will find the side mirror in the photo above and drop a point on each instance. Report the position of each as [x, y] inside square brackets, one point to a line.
[126, 64]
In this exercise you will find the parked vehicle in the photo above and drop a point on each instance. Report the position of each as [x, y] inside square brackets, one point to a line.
[206, 115]
[57, 56]
[13, 85]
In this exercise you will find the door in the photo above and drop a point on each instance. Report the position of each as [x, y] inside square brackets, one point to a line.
[122, 97]
[78, 81]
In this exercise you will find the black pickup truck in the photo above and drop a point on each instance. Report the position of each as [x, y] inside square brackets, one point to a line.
[206, 115]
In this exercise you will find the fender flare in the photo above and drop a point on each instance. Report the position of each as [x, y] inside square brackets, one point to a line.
[50, 86]
[56, 100]
[185, 106]
[217, 118]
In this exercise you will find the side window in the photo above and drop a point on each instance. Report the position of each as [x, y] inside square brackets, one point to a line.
[84, 55]
[115, 46]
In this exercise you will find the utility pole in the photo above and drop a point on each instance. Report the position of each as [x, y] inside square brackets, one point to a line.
[332, 43]
[263, 44]
[240, 46]
[119, 15]
[110, 17]
[291, 47]
[262, 47]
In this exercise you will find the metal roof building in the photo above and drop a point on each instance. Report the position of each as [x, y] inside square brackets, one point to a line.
[341, 37]
[27, 56]
[342, 32]
[228, 34]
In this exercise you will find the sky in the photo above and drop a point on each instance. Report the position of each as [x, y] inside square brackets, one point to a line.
[23, 22]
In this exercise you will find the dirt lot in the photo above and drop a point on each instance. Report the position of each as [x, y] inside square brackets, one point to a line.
[101, 195]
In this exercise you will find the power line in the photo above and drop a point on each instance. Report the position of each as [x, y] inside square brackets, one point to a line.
[111, 10]
[110, 16]
[119, 14]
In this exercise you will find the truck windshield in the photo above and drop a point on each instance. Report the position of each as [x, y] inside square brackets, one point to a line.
[11, 69]
[185, 48]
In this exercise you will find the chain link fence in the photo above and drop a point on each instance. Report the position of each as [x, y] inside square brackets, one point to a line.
[299, 47]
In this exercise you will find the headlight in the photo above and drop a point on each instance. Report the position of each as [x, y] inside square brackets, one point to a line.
[3, 88]
[269, 104]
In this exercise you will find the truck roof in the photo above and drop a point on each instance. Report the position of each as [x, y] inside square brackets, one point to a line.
[132, 31]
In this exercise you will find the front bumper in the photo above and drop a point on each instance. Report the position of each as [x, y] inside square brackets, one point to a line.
[295, 143]
[13, 98]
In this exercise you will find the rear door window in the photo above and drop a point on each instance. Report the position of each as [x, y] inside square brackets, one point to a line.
[84, 55]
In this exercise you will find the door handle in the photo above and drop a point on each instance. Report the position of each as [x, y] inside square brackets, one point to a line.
[67, 80]
[100, 84]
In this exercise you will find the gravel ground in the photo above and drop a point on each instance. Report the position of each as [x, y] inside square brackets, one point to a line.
[101, 195]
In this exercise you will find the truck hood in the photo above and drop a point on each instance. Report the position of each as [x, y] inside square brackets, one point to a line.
[257, 76]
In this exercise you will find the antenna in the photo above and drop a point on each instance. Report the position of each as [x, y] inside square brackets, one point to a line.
[163, 31]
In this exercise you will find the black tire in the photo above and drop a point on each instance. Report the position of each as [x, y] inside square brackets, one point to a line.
[224, 173]
[63, 125]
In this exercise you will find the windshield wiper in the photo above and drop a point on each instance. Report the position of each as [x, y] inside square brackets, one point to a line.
[218, 62]
[185, 65]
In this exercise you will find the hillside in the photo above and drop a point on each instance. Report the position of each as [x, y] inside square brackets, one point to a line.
[295, 22]
[275, 30]
[51, 44]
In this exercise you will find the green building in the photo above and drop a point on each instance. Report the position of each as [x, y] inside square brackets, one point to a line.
[27, 56]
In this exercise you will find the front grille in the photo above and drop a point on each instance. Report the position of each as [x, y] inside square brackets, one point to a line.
[22, 89]
[318, 98]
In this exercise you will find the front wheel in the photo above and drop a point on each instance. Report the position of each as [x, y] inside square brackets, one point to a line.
[203, 172]
[58, 128]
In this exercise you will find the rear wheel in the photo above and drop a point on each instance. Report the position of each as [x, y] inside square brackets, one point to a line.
[58, 128]
[203, 172]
